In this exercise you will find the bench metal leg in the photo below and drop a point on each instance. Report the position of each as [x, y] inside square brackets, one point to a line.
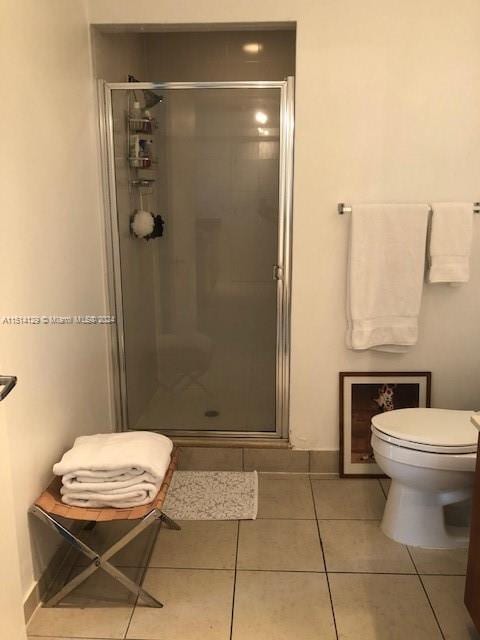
[101, 561]
[131, 586]
[73, 584]
[171, 524]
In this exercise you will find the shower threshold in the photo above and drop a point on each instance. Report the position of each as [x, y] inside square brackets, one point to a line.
[230, 442]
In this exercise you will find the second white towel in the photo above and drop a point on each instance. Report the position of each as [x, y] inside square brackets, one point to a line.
[450, 242]
[386, 273]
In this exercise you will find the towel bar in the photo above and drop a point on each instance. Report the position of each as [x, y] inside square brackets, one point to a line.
[8, 383]
[347, 208]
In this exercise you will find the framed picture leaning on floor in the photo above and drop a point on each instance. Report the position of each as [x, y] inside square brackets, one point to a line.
[364, 395]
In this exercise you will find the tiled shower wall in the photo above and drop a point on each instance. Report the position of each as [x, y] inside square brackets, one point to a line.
[219, 55]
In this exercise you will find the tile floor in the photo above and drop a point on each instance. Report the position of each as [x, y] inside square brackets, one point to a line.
[272, 579]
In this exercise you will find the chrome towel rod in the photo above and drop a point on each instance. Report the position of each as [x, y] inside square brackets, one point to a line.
[347, 208]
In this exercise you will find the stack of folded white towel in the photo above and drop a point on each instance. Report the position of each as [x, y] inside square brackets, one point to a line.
[114, 469]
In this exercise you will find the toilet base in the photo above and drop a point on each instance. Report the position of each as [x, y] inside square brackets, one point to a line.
[417, 518]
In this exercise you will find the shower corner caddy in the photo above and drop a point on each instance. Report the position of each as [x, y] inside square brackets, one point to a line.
[140, 162]
[142, 182]
[142, 125]
[138, 126]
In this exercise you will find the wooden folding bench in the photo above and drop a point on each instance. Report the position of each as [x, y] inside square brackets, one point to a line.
[49, 505]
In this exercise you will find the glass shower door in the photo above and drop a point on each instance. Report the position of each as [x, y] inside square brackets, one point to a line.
[199, 330]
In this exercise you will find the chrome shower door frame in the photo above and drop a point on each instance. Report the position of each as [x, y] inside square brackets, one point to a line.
[282, 269]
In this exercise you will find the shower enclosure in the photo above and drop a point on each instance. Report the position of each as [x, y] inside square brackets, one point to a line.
[201, 338]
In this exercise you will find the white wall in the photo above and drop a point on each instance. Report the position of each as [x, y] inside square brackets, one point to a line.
[387, 98]
[13, 626]
[51, 248]
[383, 113]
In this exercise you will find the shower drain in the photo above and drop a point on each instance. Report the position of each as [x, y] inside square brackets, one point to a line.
[212, 413]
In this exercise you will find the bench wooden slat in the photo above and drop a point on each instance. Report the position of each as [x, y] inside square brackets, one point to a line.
[51, 502]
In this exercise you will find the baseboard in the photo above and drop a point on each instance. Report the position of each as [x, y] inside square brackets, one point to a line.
[53, 577]
[231, 443]
[272, 459]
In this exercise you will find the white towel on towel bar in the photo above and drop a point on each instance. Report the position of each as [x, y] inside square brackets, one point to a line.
[385, 275]
[450, 242]
[114, 469]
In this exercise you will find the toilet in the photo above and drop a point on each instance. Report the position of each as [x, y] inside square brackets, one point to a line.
[430, 456]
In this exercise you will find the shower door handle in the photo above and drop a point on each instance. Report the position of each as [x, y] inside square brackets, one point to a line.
[7, 382]
[277, 272]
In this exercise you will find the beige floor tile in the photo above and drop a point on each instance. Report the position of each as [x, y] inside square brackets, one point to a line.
[381, 607]
[135, 554]
[98, 608]
[97, 621]
[285, 460]
[446, 596]
[323, 476]
[324, 462]
[101, 587]
[199, 545]
[198, 604]
[360, 545]
[279, 545]
[282, 606]
[285, 497]
[348, 498]
[210, 459]
[282, 475]
[441, 561]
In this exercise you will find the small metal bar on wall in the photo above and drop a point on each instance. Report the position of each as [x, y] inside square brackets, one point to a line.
[347, 208]
[119, 378]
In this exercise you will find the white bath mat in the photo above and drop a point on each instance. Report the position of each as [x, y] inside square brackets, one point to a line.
[213, 495]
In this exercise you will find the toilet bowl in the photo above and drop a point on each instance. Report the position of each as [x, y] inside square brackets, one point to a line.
[430, 455]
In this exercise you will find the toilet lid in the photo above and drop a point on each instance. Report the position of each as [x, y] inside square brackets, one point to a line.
[441, 430]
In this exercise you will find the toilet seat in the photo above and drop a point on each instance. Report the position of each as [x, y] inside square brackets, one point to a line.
[407, 455]
[430, 430]
[426, 448]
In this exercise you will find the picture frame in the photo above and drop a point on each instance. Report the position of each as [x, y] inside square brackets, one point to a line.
[365, 394]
